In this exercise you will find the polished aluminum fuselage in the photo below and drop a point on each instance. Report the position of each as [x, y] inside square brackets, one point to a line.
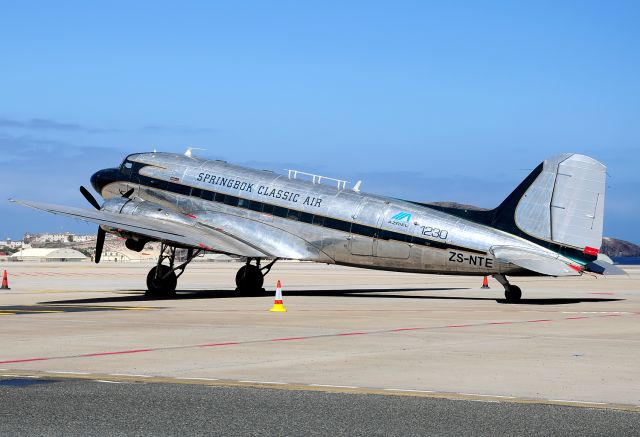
[298, 219]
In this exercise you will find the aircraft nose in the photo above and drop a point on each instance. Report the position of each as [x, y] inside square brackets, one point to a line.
[102, 178]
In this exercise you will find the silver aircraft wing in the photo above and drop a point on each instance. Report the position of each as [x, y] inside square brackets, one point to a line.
[538, 262]
[195, 236]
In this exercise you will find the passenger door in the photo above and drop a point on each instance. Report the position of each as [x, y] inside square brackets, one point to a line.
[364, 226]
[395, 234]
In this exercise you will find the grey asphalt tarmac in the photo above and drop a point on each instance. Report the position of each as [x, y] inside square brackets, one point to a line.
[358, 353]
[84, 407]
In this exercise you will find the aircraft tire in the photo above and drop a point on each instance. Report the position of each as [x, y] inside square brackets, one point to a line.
[513, 294]
[161, 287]
[249, 278]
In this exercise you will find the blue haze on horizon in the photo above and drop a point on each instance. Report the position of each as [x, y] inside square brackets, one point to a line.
[427, 101]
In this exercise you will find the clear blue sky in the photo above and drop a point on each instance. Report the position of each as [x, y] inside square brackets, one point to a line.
[422, 100]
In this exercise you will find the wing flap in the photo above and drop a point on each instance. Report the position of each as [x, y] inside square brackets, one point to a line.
[160, 230]
[538, 262]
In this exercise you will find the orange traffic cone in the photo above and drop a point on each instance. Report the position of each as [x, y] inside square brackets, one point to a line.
[278, 306]
[485, 283]
[5, 282]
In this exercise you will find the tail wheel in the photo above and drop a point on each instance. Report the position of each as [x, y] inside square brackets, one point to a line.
[249, 278]
[162, 283]
[513, 293]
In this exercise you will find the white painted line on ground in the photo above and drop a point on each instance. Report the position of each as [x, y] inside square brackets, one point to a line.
[108, 382]
[264, 382]
[408, 390]
[332, 386]
[591, 403]
[487, 396]
[200, 379]
[130, 374]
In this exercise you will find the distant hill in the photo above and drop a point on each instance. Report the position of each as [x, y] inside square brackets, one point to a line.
[458, 206]
[619, 248]
[610, 246]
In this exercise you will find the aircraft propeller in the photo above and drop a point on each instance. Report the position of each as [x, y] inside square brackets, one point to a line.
[87, 195]
[101, 233]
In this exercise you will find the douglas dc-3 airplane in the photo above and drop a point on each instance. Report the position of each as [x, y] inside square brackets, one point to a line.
[550, 225]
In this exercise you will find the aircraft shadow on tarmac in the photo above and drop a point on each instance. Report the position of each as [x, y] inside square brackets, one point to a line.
[139, 296]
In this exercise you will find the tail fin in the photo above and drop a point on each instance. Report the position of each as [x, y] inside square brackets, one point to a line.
[561, 202]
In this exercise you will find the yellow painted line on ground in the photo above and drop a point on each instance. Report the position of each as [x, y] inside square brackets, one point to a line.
[37, 311]
[212, 382]
[68, 291]
[131, 308]
[6, 314]
[104, 307]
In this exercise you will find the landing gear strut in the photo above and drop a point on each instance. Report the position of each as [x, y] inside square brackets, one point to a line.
[512, 293]
[250, 277]
[163, 279]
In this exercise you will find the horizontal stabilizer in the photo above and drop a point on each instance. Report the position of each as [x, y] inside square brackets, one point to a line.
[539, 262]
[602, 267]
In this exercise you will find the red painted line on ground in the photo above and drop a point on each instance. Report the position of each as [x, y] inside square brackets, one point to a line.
[24, 360]
[228, 343]
[345, 334]
[133, 351]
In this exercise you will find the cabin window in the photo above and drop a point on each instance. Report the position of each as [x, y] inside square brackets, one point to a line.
[280, 211]
[231, 200]
[268, 209]
[306, 217]
[293, 215]
[256, 206]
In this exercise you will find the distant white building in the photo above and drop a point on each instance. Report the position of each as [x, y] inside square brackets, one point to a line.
[10, 243]
[49, 255]
[83, 238]
[122, 254]
[62, 237]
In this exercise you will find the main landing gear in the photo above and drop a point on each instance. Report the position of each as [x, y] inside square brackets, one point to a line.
[250, 277]
[163, 279]
[512, 293]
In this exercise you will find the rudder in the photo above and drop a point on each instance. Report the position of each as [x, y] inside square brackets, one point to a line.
[562, 202]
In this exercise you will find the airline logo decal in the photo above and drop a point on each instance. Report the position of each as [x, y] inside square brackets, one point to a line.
[401, 219]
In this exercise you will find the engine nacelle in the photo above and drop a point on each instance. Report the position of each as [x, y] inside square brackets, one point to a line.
[135, 244]
[137, 207]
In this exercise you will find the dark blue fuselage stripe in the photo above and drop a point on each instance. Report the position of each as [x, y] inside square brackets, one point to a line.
[292, 214]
